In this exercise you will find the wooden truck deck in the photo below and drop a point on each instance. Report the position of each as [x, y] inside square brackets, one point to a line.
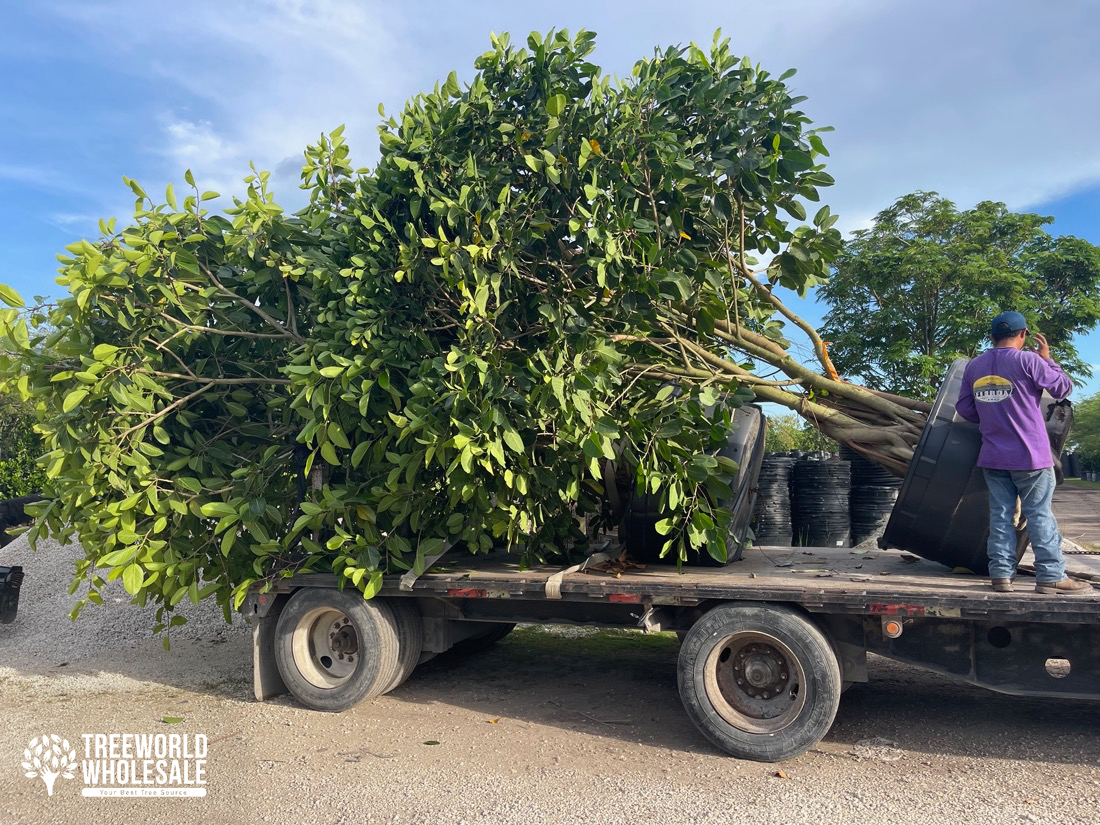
[871, 581]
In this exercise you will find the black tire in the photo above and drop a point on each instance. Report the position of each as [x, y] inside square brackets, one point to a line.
[759, 681]
[334, 648]
[410, 639]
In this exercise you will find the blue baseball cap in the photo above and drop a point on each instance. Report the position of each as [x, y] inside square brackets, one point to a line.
[1007, 323]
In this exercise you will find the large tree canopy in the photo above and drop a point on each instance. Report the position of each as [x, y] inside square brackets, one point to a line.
[918, 289]
[547, 280]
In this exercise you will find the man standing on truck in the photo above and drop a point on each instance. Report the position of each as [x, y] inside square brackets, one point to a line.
[1001, 392]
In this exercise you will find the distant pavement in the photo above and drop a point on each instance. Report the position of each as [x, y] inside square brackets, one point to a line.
[1078, 513]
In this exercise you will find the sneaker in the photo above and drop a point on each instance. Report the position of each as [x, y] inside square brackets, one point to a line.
[1072, 586]
[1002, 585]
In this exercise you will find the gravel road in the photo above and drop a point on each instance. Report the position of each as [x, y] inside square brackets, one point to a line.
[547, 727]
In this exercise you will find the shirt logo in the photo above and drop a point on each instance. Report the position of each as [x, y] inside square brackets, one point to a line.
[993, 389]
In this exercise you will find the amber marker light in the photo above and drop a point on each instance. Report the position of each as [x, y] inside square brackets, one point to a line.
[891, 628]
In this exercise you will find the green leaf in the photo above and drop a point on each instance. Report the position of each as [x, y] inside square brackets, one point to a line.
[117, 557]
[373, 585]
[513, 440]
[132, 577]
[190, 484]
[795, 209]
[218, 508]
[664, 526]
[555, 105]
[10, 297]
[103, 351]
[336, 435]
[73, 399]
[359, 453]
[171, 720]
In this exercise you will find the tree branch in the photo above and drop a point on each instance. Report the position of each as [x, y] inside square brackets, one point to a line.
[285, 333]
[225, 332]
[179, 402]
[221, 381]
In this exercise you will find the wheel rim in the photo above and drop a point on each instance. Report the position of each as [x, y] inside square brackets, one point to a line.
[755, 682]
[325, 647]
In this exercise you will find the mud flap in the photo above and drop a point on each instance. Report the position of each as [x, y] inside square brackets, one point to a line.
[266, 681]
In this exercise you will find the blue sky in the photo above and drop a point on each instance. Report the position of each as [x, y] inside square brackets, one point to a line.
[978, 100]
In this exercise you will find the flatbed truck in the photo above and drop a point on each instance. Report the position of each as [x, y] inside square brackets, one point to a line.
[769, 642]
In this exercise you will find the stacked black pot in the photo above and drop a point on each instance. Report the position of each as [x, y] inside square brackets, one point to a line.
[819, 503]
[874, 491]
[772, 516]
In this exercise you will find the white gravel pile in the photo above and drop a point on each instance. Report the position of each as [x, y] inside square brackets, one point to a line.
[113, 638]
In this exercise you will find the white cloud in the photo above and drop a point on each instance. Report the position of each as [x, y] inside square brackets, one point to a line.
[976, 100]
[250, 82]
[74, 220]
[988, 99]
[195, 142]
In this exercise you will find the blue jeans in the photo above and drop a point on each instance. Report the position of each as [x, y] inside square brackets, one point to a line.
[1035, 488]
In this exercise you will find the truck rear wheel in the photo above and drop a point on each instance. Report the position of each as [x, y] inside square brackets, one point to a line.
[759, 681]
[334, 648]
[410, 639]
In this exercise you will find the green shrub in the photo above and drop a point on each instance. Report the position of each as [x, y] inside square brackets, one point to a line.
[20, 447]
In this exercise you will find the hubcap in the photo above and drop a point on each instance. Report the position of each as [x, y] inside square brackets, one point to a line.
[760, 671]
[755, 682]
[325, 647]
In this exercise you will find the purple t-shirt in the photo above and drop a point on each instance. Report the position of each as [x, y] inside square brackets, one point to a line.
[1001, 390]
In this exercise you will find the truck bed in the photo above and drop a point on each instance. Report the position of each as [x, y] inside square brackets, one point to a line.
[821, 579]
[884, 602]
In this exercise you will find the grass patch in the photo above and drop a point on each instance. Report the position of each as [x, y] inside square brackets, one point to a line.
[591, 640]
[1082, 484]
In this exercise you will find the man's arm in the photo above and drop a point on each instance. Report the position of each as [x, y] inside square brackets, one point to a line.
[1046, 372]
[965, 406]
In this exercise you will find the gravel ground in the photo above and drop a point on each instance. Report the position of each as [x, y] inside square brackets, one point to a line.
[545, 727]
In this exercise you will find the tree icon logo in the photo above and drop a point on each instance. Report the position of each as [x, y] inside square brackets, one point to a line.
[49, 757]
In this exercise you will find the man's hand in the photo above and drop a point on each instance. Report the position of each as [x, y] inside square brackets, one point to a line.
[1040, 345]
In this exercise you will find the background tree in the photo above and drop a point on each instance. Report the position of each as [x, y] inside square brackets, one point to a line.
[1086, 431]
[917, 290]
[20, 449]
[791, 432]
[547, 283]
